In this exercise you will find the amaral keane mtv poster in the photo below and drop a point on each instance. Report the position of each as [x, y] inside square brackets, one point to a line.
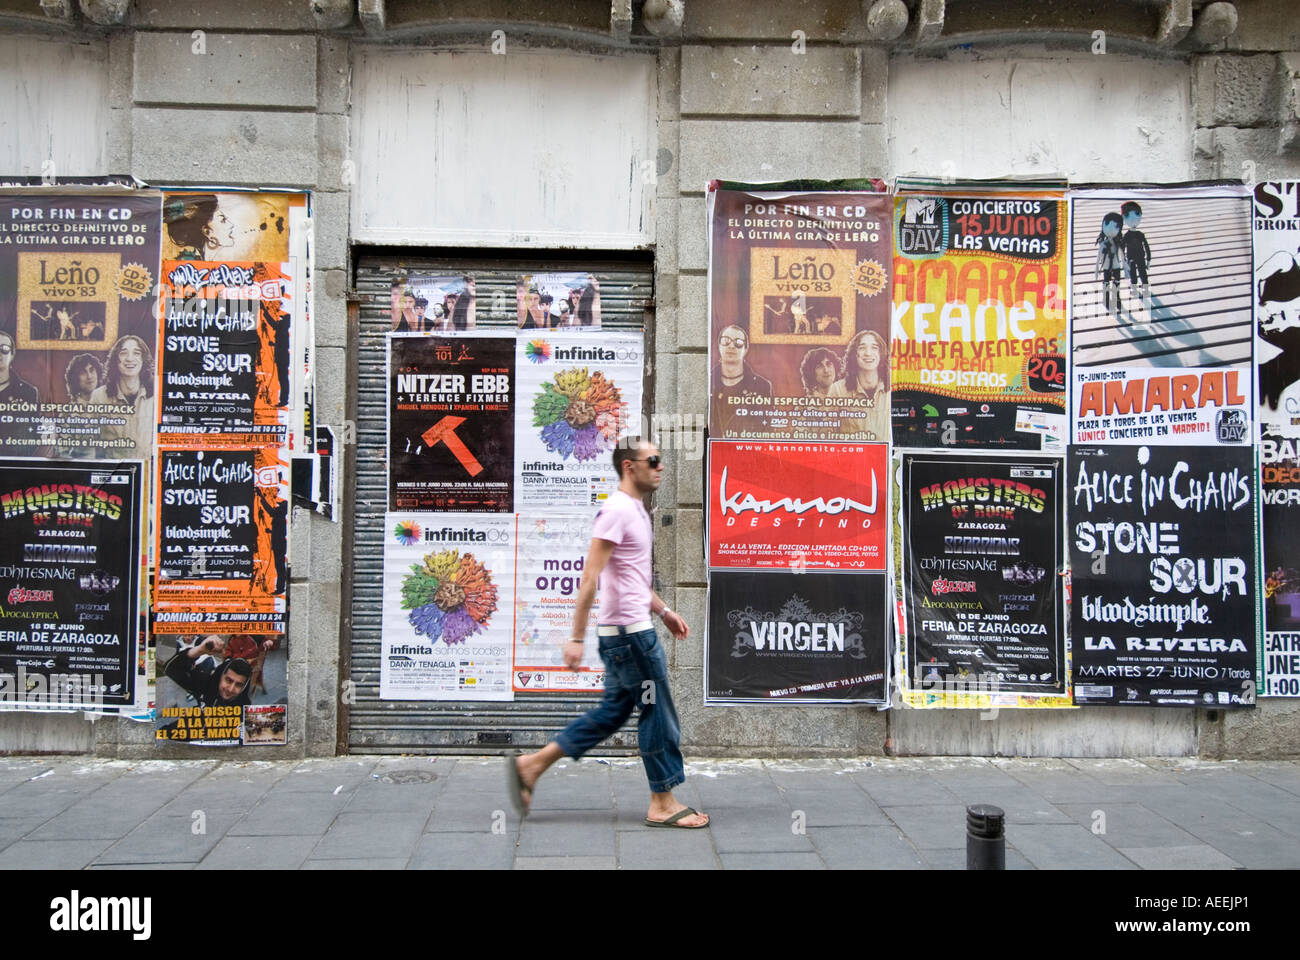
[795, 637]
[1163, 564]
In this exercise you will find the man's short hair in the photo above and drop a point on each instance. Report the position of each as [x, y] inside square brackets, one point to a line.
[625, 450]
[421, 302]
[241, 667]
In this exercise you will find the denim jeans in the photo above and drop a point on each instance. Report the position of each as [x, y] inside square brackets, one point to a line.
[636, 676]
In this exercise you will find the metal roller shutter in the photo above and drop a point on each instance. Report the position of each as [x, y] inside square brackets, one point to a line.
[421, 726]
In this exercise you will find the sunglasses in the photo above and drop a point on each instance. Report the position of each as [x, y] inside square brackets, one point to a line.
[731, 341]
[654, 462]
[5, 349]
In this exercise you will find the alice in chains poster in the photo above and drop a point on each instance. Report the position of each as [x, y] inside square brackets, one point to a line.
[798, 314]
[982, 548]
[449, 607]
[222, 531]
[77, 333]
[978, 350]
[70, 537]
[795, 637]
[1162, 559]
[225, 336]
[577, 397]
[1161, 316]
[451, 422]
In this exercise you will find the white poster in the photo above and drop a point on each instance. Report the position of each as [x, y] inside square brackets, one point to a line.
[552, 552]
[575, 397]
[1276, 217]
[448, 606]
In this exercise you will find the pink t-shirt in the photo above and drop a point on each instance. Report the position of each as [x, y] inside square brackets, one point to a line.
[625, 581]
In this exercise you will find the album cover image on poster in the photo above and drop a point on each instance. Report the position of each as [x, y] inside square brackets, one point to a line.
[982, 547]
[787, 637]
[77, 328]
[558, 301]
[799, 315]
[979, 321]
[430, 303]
[1162, 317]
[70, 541]
[222, 689]
[1163, 561]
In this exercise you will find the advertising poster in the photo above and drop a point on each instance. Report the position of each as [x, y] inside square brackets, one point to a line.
[552, 551]
[228, 225]
[77, 324]
[1162, 557]
[424, 303]
[1276, 215]
[799, 315]
[225, 336]
[978, 351]
[577, 398]
[982, 548]
[1280, 504]
[1161, 316]
[70, 538]
[557, 301]
[222, 531]
[218, 687]
[451, 427]
[449, 605]
[795, 637]
[797, 506]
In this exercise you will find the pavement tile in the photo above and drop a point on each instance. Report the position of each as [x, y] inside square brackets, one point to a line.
[225, 798]
[367, 836]
[1123, 772]
[1252, 843]
[835, 808]
[90, 819]
[1052, 846]
[565, 863]
[568, 833]
[865, 848]
[396, 863]
[897, 789]
[141, 866]
[477, 814]
[258, 853]
[168, 840]
[464, 851]
[290, 815]
[1020, 803]
[931, 825]
[1279, 773]
[377, 798]
[1128, 825]
[312, 776]
[51, 854]
[15, 828]
[1198, 857]
[756, 832]
[771, 861]
[660, 849]
[949, 858]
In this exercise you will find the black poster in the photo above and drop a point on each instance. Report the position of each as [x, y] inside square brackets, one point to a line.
[1280, 492]
[77, 324]
[1162, 555]
[982, 548]
[796, 638]
[69, 583]
[451, 427]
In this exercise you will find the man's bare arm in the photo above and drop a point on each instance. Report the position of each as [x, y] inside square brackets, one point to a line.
[597, 558]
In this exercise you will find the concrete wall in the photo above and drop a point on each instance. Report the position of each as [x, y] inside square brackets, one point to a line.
[748, 89]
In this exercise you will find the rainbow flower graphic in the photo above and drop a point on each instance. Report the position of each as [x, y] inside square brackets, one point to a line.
[538, 351]
[450, 597]
[407, 534]
[581, 414]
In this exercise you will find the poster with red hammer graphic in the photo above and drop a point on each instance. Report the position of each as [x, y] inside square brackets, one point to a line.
[451, 436]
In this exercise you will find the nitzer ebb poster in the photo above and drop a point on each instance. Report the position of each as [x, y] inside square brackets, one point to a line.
[449, 606]
[1162, 557]
[983, 543]
[77, 327]
[451, 422]
[70, 537]
[978, 350]
[798, 315]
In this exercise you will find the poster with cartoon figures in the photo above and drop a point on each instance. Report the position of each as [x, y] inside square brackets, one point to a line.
[798, 314]
[576, 398]
[449, 607]
[429, 303]
[77, 327]
[552, 553]
[978, 350]
[1276, 214]
[557, 301]
[225, 331]
[1161, 316]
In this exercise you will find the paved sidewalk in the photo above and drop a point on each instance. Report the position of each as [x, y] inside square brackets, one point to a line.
[432, 813]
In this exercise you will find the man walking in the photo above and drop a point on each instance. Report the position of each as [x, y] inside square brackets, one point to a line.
[636, 670]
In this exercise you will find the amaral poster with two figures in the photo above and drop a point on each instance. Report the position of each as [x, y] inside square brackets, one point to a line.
[449, 604]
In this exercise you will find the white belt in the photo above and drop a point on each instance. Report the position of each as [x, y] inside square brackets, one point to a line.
[611, 630]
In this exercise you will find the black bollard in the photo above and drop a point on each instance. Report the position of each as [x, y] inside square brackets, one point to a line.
[986, 845]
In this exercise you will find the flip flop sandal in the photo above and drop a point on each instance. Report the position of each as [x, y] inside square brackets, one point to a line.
[515, 785]
[673, 821]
